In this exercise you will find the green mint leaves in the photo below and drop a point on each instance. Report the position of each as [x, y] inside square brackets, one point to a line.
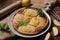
[22, 23]
[40, 12]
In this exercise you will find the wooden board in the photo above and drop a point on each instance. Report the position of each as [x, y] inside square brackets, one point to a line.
[12, 36]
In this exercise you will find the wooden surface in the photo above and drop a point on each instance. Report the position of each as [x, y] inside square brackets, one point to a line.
[12, 36]
[4, 3]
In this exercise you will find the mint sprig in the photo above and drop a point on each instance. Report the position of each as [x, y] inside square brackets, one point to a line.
[40, 12]
[4, 27]
[22, 23]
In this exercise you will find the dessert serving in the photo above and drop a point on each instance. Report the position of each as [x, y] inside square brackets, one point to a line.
[29, 21]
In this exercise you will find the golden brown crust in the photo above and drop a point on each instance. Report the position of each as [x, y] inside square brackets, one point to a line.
[35, 23]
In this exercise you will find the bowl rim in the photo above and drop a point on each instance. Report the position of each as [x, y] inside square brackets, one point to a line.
[27, 36]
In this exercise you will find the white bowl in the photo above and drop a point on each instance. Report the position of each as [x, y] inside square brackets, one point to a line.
[27, 36]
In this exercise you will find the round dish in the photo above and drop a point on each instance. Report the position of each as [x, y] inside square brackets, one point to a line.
[27, 36]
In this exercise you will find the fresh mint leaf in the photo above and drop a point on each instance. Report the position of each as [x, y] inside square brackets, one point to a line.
[3, 27]
[22, 23]
[40, 12]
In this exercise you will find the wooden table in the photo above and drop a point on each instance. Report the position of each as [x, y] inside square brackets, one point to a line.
[12, 36]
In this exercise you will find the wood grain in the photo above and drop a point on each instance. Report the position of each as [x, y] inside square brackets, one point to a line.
[36, 4]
